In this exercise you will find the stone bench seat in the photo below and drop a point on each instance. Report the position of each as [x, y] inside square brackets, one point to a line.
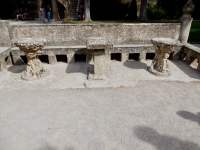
[123, 49]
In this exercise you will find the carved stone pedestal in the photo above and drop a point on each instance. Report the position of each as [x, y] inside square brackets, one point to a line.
[32, 48]
[163, 48]
[98, 45]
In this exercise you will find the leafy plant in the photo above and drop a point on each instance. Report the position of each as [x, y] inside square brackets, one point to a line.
[155, 12]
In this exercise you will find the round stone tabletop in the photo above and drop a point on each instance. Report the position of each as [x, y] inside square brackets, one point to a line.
[167, 41]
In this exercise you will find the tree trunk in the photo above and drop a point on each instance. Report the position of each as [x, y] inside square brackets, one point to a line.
[143, 10]
[54, 10]
[87, 11]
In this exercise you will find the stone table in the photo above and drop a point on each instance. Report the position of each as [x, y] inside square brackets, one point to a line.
[32, 48]
[98, 45]
[163, 48]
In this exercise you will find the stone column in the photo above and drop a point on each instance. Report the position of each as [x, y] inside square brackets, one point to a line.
[99, 47]
[54, 10]
[186, 21]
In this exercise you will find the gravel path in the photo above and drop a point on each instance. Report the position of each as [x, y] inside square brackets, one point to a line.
[151, 115]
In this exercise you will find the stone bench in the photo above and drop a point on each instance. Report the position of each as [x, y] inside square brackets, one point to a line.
[190, 53]
[69, 51]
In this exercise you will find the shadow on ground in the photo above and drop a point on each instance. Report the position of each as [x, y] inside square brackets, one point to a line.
[135, 65]
[189, 116]
[79, 68]
[163, 142]
[50, 147]
[187, 69]
[17, 69]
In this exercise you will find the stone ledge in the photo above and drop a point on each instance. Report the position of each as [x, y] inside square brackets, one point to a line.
[84, 46]
[192, 47]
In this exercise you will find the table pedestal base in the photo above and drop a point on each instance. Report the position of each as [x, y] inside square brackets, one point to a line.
[99, 67]
[158, 73]
[34, 70]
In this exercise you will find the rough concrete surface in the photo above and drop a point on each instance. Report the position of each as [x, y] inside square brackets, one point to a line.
[151, 113]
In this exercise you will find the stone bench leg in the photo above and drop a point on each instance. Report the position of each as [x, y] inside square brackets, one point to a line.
[99, 64]
[189, 59]
[89, 58]
[107, 55]
[3, 65]
[52, 58]
[17, 60]
[99, 67]
[70, 58]
[142, 56]
[124, 57]
[198, 67]
[9, 61]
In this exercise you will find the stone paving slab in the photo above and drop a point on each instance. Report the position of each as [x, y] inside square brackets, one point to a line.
[72, 76]
[152, 115]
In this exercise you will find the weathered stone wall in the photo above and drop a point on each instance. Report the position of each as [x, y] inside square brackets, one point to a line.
[4, 34]
[63, 35]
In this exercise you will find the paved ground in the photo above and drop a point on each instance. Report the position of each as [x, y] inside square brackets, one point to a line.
[73, 76]
[142, 112]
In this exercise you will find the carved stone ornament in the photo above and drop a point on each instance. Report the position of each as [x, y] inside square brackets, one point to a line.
[163, 48]
[32, 48]
[188, 8]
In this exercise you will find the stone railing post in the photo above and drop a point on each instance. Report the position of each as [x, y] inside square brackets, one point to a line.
[186, 21]
[4, 36]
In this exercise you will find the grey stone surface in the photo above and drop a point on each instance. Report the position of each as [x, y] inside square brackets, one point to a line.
[4, 36]
[98, 43]
[68, 34]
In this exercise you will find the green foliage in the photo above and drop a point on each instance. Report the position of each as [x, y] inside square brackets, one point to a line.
[155, 12]
[194, 32]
